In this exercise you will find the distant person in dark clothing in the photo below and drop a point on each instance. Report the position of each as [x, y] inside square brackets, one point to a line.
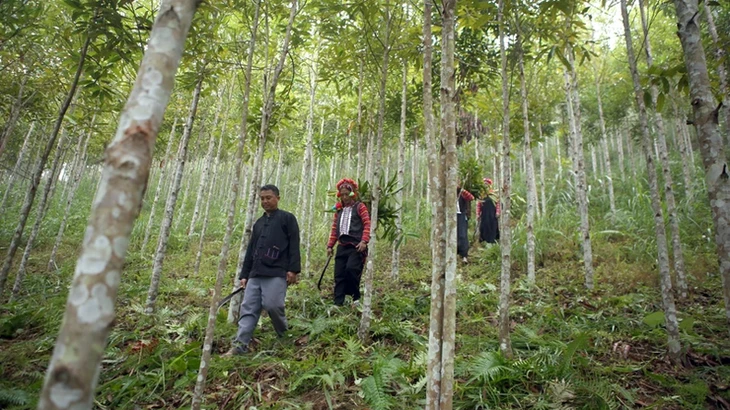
[351, 231]
[463, 211]
[488, 215]
[272, 262]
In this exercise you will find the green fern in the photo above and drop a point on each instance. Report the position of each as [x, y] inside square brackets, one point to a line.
[13, 397]
[377, 389]
[489, 367]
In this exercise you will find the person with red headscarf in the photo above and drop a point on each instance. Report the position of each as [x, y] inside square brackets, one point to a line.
[351, 231]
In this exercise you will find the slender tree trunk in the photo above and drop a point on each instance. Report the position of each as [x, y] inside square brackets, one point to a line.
[543, 201]
[505, 343]
[205, 176]
[170, 205]
[395, 260]
[211, 189]
[581, 186]
[30, 195]
[78, 173]
[160, 183]
[74, 369]
[308, 170]
[238, 167]
[363, 331]
[705, 120]
[682, 144]
[359, 119]
[661, 143]
[606, 153]
[279, 163]
[435, 188]
[620, 150]
[267, 112]
[721, 73]
[16, 169]
[530, 170]
[670, 311]
[9, 126]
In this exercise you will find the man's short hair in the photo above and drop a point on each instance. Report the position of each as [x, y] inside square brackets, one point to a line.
[270, 187]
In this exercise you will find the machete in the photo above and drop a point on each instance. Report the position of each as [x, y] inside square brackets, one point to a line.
[229, 297]
[319, 284]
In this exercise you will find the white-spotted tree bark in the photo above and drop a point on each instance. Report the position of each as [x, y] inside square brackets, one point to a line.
[670, 310]
[74, 369]
[395, 260]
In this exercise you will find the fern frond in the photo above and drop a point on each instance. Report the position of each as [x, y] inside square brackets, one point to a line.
[13, 397]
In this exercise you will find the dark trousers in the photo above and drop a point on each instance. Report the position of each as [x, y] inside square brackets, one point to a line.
[348, 271]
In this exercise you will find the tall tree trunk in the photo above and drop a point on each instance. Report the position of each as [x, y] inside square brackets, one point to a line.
[705, 121]
[211, 188]
[721, 73]
[606, 153]
[661, 143]
[395, 260]
[450, 171]
[435, 188]
[160, 184]
[581, 186]
[9, 125]
[30, 195]
[670, 311]
[267, 111]
[505, 241]
[543, 202]
[170, 205]
[16, 169]
[359, 119]
[205, 176]
[42, 208]
[78, 173]
[74, 369]
[682, 144]
[308, 170]
[620, 150]
[529, 167]
[363, 331]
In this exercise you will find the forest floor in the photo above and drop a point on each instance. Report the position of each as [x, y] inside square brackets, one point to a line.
[573, 348]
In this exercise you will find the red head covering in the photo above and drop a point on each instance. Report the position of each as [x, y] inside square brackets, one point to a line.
[347, 183]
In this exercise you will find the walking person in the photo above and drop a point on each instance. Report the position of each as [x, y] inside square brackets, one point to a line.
[463, 211]
[488, 215]
[272, 263]
[351, 232]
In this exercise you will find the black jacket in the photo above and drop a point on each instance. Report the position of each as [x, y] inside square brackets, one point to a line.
[274, 247]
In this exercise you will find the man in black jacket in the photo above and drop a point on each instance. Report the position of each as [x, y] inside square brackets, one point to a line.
[272, 262]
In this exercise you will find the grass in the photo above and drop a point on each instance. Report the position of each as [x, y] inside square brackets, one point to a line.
[573, 348]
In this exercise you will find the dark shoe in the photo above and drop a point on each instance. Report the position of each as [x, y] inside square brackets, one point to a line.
[236, 350]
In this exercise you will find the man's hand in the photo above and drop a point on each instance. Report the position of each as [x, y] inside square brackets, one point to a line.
[329, 252]
[291, 278]
[243, 283]
[361, 247]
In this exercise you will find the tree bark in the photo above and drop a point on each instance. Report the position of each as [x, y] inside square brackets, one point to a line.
[205, 176]
[395, 260]
[166, 225]
[9, 126]
[543, 201]
[670, 311]
[682, 144]
[30, 195]
[606, 153]
[505, 241]
[160, 183]
[16, 169]
[661, 143]
[435, 187]
[363, 331]
[721, 73]
[705, 120]
[529, 167]
[308, 170]
[267, 112]
[74, 369]
[78, 172]
[581, 186]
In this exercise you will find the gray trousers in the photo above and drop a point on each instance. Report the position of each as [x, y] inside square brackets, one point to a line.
[261, 292]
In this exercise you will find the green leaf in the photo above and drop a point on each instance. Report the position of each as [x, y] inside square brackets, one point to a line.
[654, 320]
[687, 324]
